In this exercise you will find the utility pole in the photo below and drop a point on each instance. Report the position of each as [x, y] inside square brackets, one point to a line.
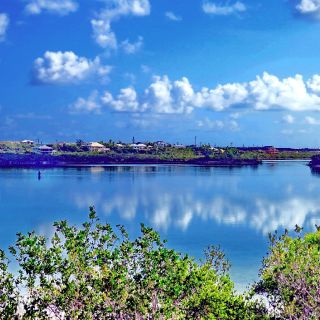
[195, 141]
[133, 140]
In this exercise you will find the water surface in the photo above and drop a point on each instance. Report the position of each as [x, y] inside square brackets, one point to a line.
[192, 207]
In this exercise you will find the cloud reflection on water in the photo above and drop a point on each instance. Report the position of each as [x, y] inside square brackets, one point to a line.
[206, 197]
[190, 206]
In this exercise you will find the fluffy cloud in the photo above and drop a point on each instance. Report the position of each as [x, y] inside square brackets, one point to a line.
[103, 34]
[86, 105]
[309, 7]
[221, 97]
[171, 16]
[131, 48]
[4, 23]
[212, 8]
[264, 93]
[101, 25]
[314, 83]
[60, 7]
[125, 101]
[164, 96]
[292, 93]
[66, 67]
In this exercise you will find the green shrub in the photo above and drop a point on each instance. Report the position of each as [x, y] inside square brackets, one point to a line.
[93, 272]
[8, 290]
[290, 276]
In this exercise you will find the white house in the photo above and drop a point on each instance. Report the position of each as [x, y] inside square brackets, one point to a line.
[161, 144]
[97, 147]
[28, 142]
[138, 146]
[45, 149]
[179, 146]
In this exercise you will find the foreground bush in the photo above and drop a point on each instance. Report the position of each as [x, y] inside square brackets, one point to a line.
[8, 290]
[290, 276]
[92, 272]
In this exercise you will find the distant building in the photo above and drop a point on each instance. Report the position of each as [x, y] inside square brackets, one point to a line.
[45, 149]
[179, 146]
[97, 147]
[271, 150]
[27, 142]
[138, 146]
[161, 144]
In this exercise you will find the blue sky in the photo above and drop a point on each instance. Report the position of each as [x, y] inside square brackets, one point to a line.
[241, 72]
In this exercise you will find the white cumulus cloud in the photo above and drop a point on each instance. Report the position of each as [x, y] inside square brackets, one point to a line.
[101, 25]
[132, 47]
[165, 96]
[266, 92]
[4, 23]
[66, 67]
[173, 17]
[103, 34]
[60, 7]
[223, 10]
[309, 7]
[221, 97]
[125, 101]
[291, 93]
[162, 96]
[86, 105]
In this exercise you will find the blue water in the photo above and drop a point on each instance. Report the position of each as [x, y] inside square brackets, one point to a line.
[191, 207]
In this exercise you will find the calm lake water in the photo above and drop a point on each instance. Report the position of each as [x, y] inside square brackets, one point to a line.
[192, 207]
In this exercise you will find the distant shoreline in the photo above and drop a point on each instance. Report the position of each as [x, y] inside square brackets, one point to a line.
[52, 161]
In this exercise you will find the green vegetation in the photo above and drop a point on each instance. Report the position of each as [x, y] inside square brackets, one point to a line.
[9, 296]
[14, 147]
[290, 276]
[281, 155]
[162, 153]
[93, 272]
